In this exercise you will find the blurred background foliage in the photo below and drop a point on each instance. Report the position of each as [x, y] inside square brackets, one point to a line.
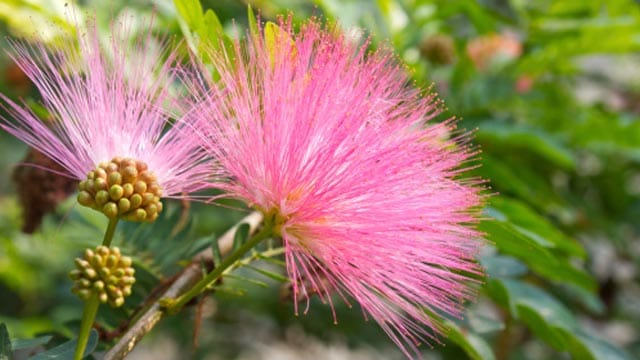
[551, 90]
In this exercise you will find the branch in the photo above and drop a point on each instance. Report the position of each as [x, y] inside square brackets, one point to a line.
[189, 276]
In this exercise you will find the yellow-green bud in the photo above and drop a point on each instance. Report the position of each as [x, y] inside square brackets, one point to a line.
[114, 178]
[124, 205]
[123, 188]
[85, 199]
[100, 184]
[116, 192]
[127, 189]
[90, 273]
[130, 174]
[104, 273]
[98, 285]
[84, 294]
[75, 274]
[110, 209]
[103, 297]
[102, 197]
[101, 174]
[139, 215]
[136, 201]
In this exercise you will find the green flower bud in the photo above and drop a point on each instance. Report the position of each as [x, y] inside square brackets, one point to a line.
[98, 285]
[103, 297]
[127, 190]
[103, 273]
[114, 178]
[130, 174]
[85, 199]
[117, 302]
[100, 184]
[112, 261]
[140, 187]
[101, 198]
[90, 273]
[116, 192]
[124, 205]
[110, 209]
[76, 274]
[136, 201]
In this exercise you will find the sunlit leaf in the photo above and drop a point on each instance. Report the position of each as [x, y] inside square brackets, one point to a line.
[253, 23]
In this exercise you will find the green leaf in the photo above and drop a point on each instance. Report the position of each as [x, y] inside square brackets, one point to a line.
[248, 280]
[269, 274]
[19, 344]
[512, 242]
[271, 260]
[213, 39]
[215, 248]
[191, 12]
[500, 266]
[585, 346]
[475, 346]
[66, 350]
[591, 301]
[482, 324]
[253, 23]
[275, 39]
[210, 32]
[521, 138]
[5, 343]
[541, 312]
[531, 224]
[517, 180]
[191, 20]
[241, 236]
[550, 320]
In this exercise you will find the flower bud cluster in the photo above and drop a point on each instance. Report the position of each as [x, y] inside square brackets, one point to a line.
[122, 187]
[105, 273]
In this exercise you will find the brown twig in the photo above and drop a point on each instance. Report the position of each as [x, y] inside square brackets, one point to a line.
[189, 276]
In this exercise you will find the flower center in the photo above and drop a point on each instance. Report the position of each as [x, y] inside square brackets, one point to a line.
[122, 187]
[275, 218]
[104, 272]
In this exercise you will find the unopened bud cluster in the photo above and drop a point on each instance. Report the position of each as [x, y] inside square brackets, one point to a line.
[104, 273]
[122, 187]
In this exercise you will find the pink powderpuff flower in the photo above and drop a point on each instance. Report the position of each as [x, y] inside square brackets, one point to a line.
[366, 190]
[106, 114]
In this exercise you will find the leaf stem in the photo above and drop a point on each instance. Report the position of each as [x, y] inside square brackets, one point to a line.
[174, 305]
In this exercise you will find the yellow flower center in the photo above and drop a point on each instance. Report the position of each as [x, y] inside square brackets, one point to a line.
[122, 187]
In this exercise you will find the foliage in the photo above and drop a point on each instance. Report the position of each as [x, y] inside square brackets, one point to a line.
[563, 171]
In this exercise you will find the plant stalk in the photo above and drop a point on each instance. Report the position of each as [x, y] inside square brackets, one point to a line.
[189, 276]
[91, 306]
[174, 305]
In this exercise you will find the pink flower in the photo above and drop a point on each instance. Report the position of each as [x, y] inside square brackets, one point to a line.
[334, 142]
[107, 103]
